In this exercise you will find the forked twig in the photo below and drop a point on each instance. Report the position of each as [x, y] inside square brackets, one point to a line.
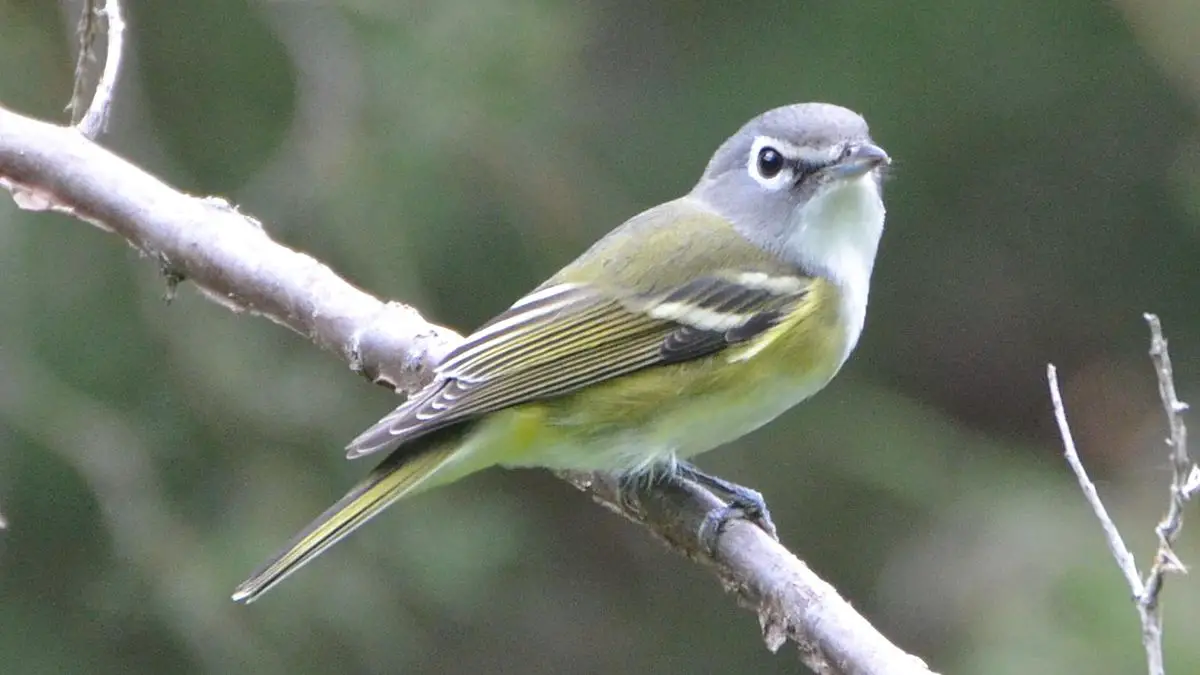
[1185, 482]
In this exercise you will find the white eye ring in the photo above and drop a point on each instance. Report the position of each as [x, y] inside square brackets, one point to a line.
[768, 163]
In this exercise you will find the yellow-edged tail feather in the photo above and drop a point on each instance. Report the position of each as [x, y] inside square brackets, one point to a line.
[400, 475]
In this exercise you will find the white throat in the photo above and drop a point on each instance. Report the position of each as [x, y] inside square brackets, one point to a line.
[836, 236]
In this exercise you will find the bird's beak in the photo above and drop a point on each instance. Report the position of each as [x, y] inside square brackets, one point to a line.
[861, 160]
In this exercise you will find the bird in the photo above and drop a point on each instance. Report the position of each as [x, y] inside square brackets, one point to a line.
[686, 327]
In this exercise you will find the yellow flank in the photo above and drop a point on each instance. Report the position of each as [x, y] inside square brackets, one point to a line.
[683, 409]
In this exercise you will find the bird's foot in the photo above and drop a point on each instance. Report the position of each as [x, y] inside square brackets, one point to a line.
[743, 504]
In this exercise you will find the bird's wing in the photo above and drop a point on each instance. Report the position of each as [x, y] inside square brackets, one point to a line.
[567, 336]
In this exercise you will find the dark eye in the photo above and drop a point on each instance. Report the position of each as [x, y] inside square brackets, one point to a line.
[770, 162]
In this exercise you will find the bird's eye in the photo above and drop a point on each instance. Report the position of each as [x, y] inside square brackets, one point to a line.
[847, 150]
[770, 162]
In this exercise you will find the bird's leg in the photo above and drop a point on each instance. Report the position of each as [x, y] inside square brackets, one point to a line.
[744, 503]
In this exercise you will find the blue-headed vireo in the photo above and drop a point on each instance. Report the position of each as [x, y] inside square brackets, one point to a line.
[690, 325]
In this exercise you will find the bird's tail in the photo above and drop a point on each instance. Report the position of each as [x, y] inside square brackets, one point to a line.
[404, 472]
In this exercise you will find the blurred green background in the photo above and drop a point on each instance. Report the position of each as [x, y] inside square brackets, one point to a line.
[452, 154]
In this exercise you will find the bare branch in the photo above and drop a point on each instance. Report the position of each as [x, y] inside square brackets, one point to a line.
[86, 33]
[225, 253]
[1185, 481]
[93, 121]
[231, 258]
[1116, 544]
[1183, 472]
[792, 602]
[1151, 622]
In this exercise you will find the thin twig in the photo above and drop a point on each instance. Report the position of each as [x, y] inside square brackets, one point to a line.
[86, 32]
[1116, 544]
[1185, 481]
[95, 118]
[1182, 469]
[1151, 624]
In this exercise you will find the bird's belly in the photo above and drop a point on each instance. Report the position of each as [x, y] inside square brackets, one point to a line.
[688, 430]
[598, 438]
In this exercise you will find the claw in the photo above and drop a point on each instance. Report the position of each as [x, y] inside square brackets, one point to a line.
[744, 504]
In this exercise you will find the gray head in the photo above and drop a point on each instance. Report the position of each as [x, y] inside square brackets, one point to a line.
[803, 181]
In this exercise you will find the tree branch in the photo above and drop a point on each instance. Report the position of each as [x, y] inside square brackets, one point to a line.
[224, 253]
[1185, 476]
[232, 260]
[92, 121]
[1185, 482]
